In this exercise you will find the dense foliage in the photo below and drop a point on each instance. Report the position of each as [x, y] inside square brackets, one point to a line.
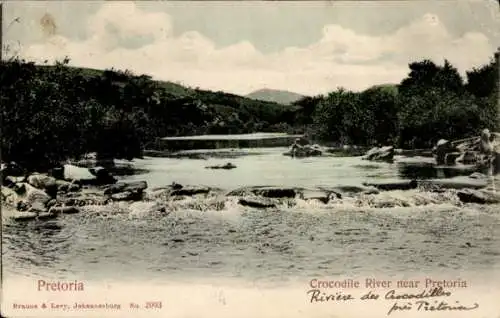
[52, 113]
[431, 103]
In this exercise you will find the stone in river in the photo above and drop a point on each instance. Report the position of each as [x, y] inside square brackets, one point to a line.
[275, 192]
[256, 203]
[396, 185]
[136, 187]
[477, 196]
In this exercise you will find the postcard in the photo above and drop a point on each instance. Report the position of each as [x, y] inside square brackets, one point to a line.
[250, 159]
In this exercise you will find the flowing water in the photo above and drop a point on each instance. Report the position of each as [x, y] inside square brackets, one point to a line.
[205, 241]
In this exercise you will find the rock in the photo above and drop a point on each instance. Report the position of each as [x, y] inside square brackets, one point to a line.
[10, 181]
[467, 158]
[127, 196]
[78, 174]
[457, 183]
[299, 151]
[47, 215]
[396, 185]
[64, 210]
[275, 192]
[442, 148]
[481, 197]
[478, 175]
[226, 166]
[103, 175]
[44, 182]
[189, 191]
[51, 203]
[135, 187]
[176, 186]
[451, 158]
[11, 169]
[255, 203]
[380, 154]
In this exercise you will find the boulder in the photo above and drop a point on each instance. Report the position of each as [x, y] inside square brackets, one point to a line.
[44, 182]
[256, 203]
[66, 186]
[275, 192]
[299, 151]
[103, 175]
[135, 187]
[78, 174]
[24, 216]
[477, 196]
[10, 181]
[442, 148]
[36, 198]
[25, 197]
[451, 158]
[396, 185]
[47, 215]
[456, 183]
[226, 166]
[478, 175]
[467, 158]
[380, 154]
[11, 169]
[190, 190]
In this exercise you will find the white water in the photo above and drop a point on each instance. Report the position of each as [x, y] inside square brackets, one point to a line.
[211, 257]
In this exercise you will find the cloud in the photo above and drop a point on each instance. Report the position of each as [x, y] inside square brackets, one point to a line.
[126, 37]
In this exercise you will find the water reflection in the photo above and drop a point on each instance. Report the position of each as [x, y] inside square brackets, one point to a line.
[431, 171]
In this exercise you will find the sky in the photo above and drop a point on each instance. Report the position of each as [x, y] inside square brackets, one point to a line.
[308, 47]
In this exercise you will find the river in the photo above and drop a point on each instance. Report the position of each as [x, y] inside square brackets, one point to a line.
[216, 242]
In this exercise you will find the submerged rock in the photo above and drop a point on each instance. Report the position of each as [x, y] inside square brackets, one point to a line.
[103, 176]
[481, 197]
[226, 166]
[134, 187]
[256, 203]
[301, 151]
[442, 148]
[275, 192]
[396, 185]
[190, 190]
[380, 154]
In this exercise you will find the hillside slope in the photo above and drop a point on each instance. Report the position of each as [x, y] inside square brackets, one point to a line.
[276, 96]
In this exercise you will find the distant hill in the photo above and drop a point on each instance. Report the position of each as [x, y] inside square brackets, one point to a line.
[276, 96]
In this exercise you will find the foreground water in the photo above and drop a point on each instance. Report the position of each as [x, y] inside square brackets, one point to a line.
[218, 241]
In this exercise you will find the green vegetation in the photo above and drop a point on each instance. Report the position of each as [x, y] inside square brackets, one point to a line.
[431, 103]
[52, 113]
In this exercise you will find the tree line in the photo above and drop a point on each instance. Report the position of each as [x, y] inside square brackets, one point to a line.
[52, 113]
[431, 103]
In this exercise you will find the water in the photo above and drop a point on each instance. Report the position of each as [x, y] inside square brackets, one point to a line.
[215, 240]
